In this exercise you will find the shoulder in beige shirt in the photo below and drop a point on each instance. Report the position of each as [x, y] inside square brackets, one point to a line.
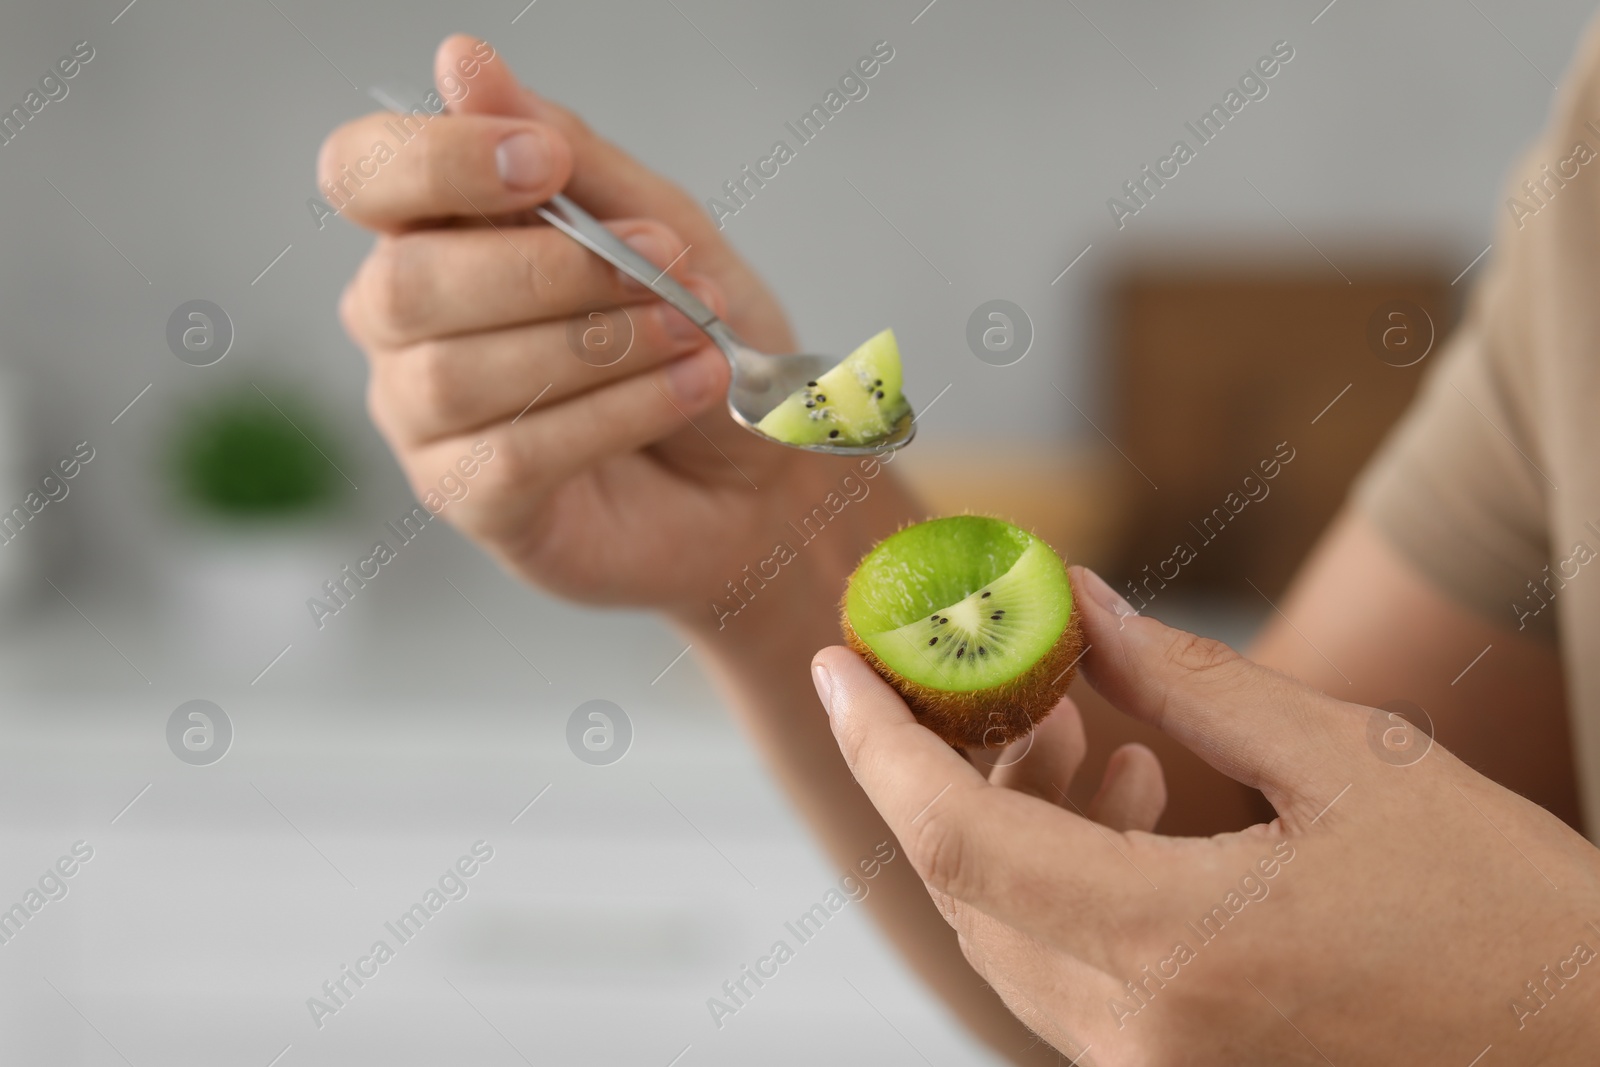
[1491, 484]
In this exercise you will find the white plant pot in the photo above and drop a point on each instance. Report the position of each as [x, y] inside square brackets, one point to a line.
[240, 591]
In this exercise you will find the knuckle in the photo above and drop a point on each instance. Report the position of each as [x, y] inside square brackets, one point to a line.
[434, 384]
[513, 469]
[1193, 654]
[396, 285]
[423, 478]
[942, 856]
[971, 950]
[350, 311]
[985, 942]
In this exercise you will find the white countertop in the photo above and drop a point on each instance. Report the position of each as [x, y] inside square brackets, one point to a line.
[220, 901]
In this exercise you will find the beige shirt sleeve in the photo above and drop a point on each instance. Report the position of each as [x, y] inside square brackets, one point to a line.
[1490, 485]
[1457, 488]
[1466, 485]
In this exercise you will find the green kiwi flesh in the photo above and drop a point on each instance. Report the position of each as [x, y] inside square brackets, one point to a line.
[855, 403]
[971, 620]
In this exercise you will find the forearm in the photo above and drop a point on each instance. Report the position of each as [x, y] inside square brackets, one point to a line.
[1362, 625]
[760, 659]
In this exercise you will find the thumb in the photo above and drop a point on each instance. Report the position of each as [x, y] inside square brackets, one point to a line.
[476, 80]
[611, 184]
[1253, 724]
[607, 181]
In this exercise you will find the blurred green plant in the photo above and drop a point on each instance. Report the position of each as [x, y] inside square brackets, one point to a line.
[239, 457]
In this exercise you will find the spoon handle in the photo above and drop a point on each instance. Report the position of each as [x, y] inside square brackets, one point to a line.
[584, 228]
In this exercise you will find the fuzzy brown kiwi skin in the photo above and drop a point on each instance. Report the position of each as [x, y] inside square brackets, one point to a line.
[985, 718]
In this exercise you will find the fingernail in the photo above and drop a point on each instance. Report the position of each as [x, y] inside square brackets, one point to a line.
[650, 247]
[824, 683]
[523, 160]
[677, 326]
[692, 378]
[1101, 593]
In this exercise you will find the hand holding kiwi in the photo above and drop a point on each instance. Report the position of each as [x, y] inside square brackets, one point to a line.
[971, 620]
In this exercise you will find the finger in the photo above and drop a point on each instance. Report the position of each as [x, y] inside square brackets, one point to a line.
[389, 171]
[1133, 793]
[457, 384]
[435, 283]
[1047, 872]
[1252, 724]
[546, 446]
[607, 180]
[604, 178]
[1044, 763]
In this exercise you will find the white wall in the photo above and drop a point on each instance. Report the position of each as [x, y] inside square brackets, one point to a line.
[992, 140]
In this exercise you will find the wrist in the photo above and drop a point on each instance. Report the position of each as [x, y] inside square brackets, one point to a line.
[830, 514]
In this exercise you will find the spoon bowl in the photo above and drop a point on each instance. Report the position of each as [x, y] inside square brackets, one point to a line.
[762, 382]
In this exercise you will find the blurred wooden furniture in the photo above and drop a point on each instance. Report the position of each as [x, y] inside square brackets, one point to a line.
[1214, 368]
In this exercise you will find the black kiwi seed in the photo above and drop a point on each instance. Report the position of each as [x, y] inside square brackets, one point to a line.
[933, 641]
[982, 651]
[820, 398]
[961, 651]
[813, 385]
[878, 382]
[810, 404]
[986, 595]
[996, 615]
[833, 433]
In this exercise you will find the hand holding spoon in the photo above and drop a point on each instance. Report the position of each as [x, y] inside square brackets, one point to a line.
[760, 381]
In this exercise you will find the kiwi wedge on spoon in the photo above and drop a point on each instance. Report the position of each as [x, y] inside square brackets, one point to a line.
[855, 403]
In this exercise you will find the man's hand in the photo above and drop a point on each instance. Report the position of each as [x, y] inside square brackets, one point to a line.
[1390, 914]
[624, 483]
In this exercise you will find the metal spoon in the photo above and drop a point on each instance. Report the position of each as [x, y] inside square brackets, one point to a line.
[760, 381]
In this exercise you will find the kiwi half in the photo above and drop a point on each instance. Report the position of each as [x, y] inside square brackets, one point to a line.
[971, 620]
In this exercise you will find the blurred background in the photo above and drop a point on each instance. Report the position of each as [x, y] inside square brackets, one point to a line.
[1135, 374]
